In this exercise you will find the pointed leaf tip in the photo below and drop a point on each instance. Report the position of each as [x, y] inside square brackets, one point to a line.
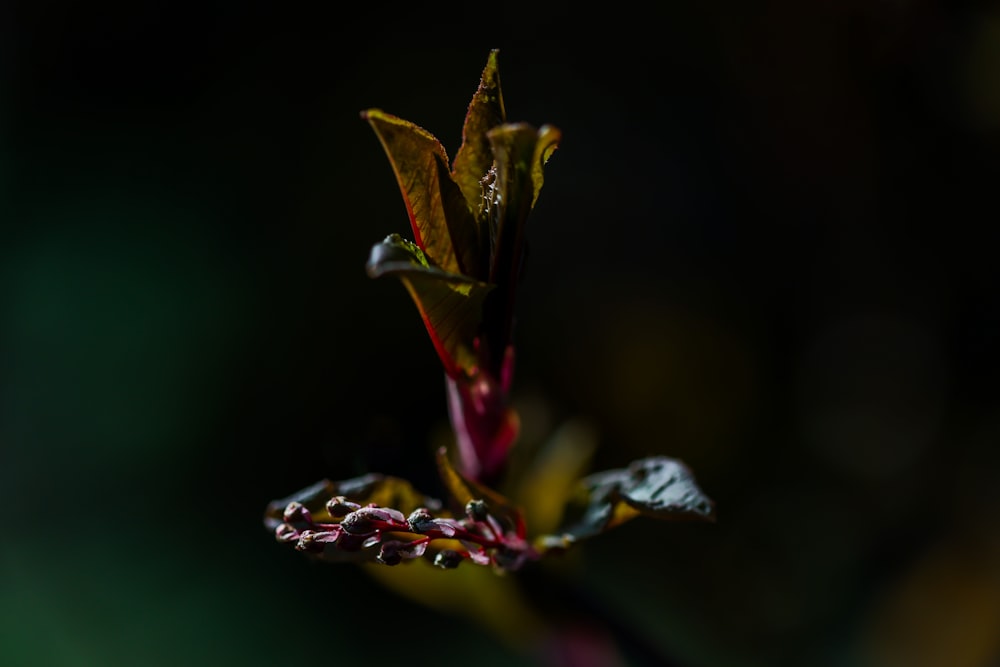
[486, 111]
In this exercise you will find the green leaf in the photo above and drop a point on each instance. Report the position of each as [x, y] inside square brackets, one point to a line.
[658, 487]
[450, 304]
[475, 157]
[443, 225]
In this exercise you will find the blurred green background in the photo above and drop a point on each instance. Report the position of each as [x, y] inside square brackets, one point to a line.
[766, 246]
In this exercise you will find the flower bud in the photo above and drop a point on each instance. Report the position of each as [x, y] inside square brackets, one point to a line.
[369, 519]
[448, 559]
[357, 523]
[420, 520]
[476, 509]
[285, 533]
[307, 542]
[339, 506]
[389, 554]
[296, 512]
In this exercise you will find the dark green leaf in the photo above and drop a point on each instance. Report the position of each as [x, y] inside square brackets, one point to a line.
[665, 488]
[657, 487]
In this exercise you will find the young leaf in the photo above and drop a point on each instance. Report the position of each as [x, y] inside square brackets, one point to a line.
[475, 157]
[520, 152]
[450, 304]
[443, 225]
[459, 488]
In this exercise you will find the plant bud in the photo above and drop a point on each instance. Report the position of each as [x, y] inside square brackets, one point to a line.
[339, 506]
[285, 533]
[389, 553]
[448, 559]
[296, 512]
[365, 520]
[477, 510]
[307, 542]
[420, 520]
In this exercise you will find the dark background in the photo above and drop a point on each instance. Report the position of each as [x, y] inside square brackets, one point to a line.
[766, 246]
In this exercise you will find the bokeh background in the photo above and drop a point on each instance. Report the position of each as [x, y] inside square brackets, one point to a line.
[766, 246]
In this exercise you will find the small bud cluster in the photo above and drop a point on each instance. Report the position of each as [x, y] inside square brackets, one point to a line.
[478, 537]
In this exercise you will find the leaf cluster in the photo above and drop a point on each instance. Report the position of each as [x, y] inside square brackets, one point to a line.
[468, 219]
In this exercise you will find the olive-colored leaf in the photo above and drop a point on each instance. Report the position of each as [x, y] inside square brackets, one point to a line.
[443, 225]
[450, 304]
[521, 152]
[458, 487]
[548, 142]
[475, 157]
